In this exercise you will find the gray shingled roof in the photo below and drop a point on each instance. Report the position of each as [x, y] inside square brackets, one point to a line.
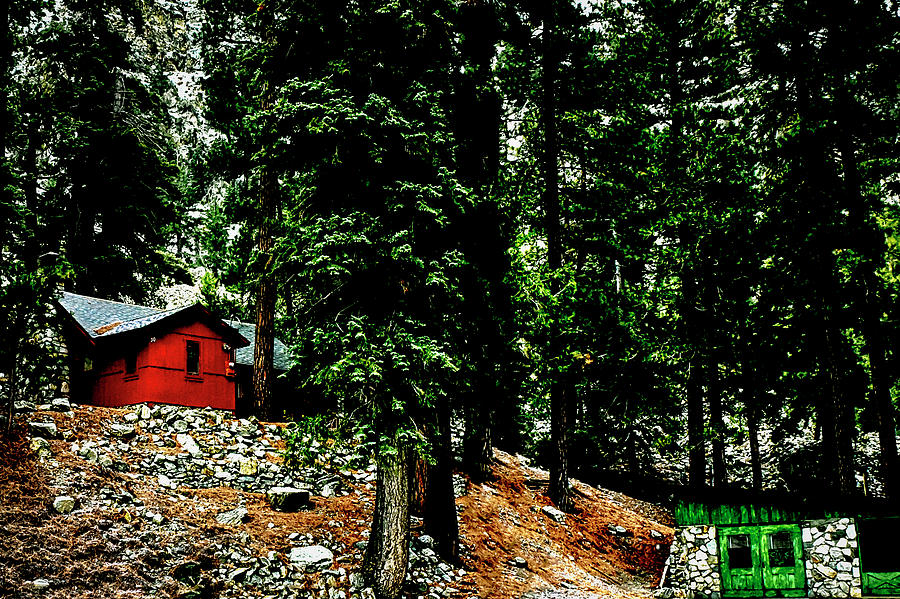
[94, 314]
[103, 318]
[244, 355]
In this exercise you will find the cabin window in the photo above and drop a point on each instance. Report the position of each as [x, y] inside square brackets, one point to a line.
[131, 362]
[781, 550]
[739, 551]
[193, 357]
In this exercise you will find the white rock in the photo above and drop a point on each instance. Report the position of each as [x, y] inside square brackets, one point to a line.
[313, 558]
[64, 504]
[554, 514]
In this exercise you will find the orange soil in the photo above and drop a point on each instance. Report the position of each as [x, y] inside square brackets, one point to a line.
[499, 521]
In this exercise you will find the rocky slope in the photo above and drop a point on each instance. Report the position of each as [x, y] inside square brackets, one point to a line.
[174, 502]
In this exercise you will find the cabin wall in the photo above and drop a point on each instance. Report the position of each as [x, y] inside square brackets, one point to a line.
[831, 550]
[693, 563]
[161, 375]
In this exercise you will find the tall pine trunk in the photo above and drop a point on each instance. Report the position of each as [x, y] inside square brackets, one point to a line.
[869, 242]
[824, 338]
[266, 295]
[440, 500]
[477, 447]
[559, 410]
[266, 291]
[387, 554]
[713, 380]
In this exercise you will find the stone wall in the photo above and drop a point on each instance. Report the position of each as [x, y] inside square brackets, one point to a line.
[693, 563]
[831, 551]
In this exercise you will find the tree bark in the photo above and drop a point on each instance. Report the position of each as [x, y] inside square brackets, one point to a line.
[267, 291]
[713, 382]
[387, 554]
[264, 348]
[478, 451]
[559, 465]
[751, 408]
[440, 500]
[871, 247]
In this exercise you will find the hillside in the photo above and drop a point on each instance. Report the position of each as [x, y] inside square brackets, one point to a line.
[170, 502]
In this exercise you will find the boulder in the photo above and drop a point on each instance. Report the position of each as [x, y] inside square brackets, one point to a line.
[61, 404]
[47, 430]
[313, 558]
[23, 405]
[287, 499]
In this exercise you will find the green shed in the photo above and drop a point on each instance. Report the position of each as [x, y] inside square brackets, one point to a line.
[781, 546]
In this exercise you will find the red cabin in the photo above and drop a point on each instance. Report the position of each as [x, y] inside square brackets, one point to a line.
[122, 354]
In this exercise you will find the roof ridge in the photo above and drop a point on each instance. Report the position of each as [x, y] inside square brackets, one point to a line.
[100, 299]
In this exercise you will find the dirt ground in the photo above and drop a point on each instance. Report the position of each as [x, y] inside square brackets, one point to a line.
[499, 521]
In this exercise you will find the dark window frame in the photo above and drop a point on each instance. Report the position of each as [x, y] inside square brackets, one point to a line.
[740, 555]
[781, 550]
[131, 367]
[188, 345]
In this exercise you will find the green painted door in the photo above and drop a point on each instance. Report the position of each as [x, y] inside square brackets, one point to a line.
[741, 561]
[783, 571]
[879, 562]
[762, 561]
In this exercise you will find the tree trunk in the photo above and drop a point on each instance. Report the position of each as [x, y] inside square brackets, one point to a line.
[440, 500]
[871, 246]
[713, 381]
[693, 363]
[264, 348]
[559, 465]
[478, 452]
[387, 553]
[752, 410]
[419, 472]
[825, 337]
[716, 424]
[267, 292]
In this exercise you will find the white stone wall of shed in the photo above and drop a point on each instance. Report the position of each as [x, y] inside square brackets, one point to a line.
[831, 554]
[693, 563]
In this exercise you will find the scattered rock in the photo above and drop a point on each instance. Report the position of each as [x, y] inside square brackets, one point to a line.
[123, 431]
[61, 404]
[188, 444]
[38, 584]
[41, 447]
[518, 562]
[64, 504]
[313, 558]
[233, 517]
[554, 514]
[288, 499]
[47, 430]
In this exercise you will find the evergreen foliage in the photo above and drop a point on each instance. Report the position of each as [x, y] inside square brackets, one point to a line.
[627, 238]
